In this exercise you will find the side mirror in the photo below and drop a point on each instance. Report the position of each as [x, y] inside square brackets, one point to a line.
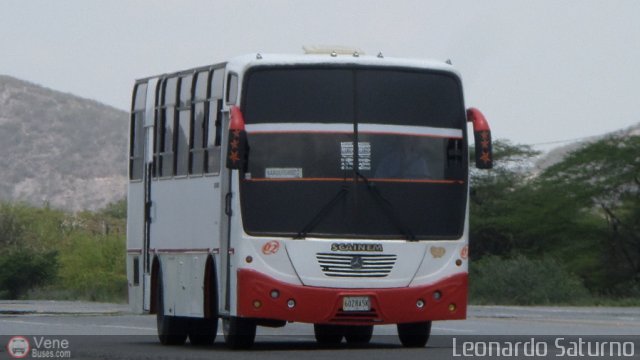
[482, 136]
[237, 147]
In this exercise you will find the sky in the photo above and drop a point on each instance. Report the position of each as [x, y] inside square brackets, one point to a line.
[540, 70]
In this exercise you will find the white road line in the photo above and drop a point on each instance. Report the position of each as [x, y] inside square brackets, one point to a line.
[452, 329]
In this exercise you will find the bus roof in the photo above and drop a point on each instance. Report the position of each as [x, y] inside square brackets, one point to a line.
[242, 63]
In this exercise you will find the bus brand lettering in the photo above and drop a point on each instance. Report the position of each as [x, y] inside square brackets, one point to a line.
[356, 247]
[271, 247]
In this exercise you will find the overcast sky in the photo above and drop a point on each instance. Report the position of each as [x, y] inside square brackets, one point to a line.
[540, 70]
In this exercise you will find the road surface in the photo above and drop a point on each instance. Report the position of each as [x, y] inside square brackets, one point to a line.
[108, 331]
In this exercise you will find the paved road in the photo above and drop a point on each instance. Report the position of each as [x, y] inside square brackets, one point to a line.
[109, 331]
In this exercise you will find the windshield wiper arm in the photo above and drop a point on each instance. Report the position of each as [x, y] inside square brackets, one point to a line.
[322, 213]
[387, 208]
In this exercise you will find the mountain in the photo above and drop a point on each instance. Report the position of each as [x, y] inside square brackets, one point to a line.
[557, 154]
[60, 149]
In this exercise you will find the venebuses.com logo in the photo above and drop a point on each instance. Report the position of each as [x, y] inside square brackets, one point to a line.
[18, 347]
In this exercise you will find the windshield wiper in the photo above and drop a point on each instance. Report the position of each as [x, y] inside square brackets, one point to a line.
[323, 212]
[387, 208]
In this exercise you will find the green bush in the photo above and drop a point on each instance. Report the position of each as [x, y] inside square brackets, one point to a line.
[93, 268]
[23, 269]
[49, 254]
[522, 281]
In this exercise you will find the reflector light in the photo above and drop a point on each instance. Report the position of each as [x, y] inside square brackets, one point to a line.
[291, 303]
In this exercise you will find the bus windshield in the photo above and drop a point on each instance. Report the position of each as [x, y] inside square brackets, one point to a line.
[354, 152]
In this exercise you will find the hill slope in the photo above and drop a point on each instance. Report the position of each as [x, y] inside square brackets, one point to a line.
[59, 149]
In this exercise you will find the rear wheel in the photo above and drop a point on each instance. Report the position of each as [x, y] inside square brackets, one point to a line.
[358, 334]
[414, 334]
[172, 330]
[203, 331]
[239, 333]
[328, 334]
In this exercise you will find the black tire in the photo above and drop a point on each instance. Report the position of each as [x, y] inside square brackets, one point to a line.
[328, 334]
[358, 335]
[414, 334]
[239, 333]
[172, 330]
[203, 331]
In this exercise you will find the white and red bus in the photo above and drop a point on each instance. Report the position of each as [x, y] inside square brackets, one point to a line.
[329, 189]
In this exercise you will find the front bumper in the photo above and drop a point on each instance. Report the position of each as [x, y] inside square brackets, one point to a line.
[324, 305]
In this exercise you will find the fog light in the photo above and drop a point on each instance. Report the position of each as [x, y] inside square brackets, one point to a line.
[437, 295]
[248, 259]
[275, 294]
[420, 303]
[291, 303]
[257, 304]
[452, 307]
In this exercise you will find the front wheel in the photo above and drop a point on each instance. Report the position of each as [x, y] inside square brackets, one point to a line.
[239, 333]
[358, 335]
[203, 331]
[414, 334]
[328, 334]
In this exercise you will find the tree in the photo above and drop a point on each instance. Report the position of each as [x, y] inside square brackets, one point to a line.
[602, 181]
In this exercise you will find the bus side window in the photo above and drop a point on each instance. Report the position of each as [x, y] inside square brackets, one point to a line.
[232, 89]
[198, 142]
[137, 133]
[183, 131]
[213, 131]
[167, 118]
[213, 123]
[157, 126]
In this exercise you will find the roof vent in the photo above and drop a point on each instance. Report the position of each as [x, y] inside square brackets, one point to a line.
[332, 50]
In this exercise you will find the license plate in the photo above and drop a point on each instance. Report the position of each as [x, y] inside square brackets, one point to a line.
[356, 303]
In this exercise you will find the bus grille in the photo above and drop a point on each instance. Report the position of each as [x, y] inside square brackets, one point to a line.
[356, 265]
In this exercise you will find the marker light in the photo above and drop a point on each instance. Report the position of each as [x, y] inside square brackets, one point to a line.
[275, 294]
[248, 259]
[420, 303]
[459, 262]
[257, 304]
[437, 295]
[452, 307]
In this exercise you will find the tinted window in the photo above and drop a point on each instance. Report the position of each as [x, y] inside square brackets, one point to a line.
[217, 83]
[168, 124]
[170, 91]
[213, 137]
[202, 80]
[136, 146]
[409, 98]
[185, 91]
[232, 89]
[140, 97]
[410, 177]
[299, 95]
